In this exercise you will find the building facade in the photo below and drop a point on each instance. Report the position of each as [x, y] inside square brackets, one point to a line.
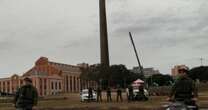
[174, 70]
[50, 78]
[147, 71]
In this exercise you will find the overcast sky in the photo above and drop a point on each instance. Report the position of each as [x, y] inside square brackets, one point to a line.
[166, 32]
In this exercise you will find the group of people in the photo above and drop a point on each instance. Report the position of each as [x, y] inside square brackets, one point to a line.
[184, 89]
[108, 94]
[131, 94]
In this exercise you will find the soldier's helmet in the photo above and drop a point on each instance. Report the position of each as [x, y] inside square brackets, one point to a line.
[27, 79]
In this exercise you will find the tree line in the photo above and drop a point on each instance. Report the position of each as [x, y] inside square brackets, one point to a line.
[119, 75]
[200, 73]
[115, 75]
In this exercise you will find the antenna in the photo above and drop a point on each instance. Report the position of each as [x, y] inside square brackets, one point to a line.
[201, 59]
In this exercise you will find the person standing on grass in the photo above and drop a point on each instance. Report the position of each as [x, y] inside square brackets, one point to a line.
[130, 93]
[90, 94]
[99, 94]
[109, 99]
[26, 96]
[119, 94]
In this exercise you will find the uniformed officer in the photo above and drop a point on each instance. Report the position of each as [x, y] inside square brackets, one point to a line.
[130, 93]
[109, 99]
[99, 94]
[26, 97]
[119, 94]
[90, 94]
[184, 88]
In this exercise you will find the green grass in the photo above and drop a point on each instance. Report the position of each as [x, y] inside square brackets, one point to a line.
[73, 101]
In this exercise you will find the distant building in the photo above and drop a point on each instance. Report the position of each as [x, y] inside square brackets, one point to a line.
[174, 70]
[147, 71]
[49, 78]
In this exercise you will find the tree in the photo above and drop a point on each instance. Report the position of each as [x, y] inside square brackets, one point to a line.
[200, 73]
[116, 75]
[159, 80]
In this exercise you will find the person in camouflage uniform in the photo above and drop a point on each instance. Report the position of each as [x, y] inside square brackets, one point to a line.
[26, 96]
[109, 99]
[119, 94]
[99, 94]
[130, 93]
[184, 88]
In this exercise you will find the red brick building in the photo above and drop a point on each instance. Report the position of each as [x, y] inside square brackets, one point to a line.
[49, 78]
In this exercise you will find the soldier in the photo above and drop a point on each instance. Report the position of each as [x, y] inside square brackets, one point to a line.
[130, 93]
[184, 88]
[99, 94]
[119, 94]
[26, 97]
[109, 99]
[90, 94]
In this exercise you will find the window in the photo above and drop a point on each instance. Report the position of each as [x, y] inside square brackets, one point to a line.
[4, 87]
[56, 86]
[45, 83]
[51, 85]
[21, 82]
[71, 83]
[67, 84]
[59, 85]
[74, 83]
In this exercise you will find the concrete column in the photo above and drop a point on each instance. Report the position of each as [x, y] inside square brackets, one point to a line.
[75, 85]
[10, 84]
[19, 84]
[69, 84]
[38, 85]
[33, 81]
[75, 80]
[62, 86]
[43, 86]
[49, 87]
[78, 84]
[64, 83]
[6, 86]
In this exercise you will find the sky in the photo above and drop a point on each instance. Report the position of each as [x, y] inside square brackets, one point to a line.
[166, 33]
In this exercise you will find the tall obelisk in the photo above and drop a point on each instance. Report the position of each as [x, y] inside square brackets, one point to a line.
[103, 35]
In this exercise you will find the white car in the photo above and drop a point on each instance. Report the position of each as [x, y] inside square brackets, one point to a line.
[135, 91]
[84, 96]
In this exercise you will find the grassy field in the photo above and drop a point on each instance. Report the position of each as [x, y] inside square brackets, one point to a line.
[72, 102]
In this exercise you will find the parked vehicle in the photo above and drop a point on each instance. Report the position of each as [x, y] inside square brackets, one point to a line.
[146, 93]
[84, 95]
